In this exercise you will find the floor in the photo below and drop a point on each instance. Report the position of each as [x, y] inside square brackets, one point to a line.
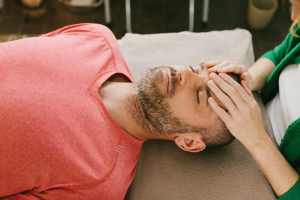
[148, 16]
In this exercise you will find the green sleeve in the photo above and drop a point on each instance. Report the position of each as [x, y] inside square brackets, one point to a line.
[290, 149]
[293, 193]
[278, 53]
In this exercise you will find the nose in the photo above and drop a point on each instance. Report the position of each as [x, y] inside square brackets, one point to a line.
[183, 75]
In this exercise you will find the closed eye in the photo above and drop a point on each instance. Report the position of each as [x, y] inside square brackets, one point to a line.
[196, 70]
[197, 91]
[192, 69]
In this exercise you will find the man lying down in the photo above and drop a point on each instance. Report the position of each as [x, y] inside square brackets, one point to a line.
[72, 120]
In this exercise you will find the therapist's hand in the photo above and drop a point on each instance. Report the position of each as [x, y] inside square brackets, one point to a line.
[244, 121]
[243, 116]
[230, 67]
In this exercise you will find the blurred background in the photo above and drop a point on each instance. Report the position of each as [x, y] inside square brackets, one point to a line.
[18, 19]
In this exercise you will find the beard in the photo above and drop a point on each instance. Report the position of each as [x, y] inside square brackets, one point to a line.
[154, 102]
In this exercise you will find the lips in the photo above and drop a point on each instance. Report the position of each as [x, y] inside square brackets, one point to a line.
[167, 78]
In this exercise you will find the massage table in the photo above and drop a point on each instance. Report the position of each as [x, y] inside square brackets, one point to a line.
[166, 172]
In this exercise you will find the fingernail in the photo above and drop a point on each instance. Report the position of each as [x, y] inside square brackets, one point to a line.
[221, 74]
[213, 74]
[211, 83]
[211, 100]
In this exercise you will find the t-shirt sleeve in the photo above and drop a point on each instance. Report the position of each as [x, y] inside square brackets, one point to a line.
[23, 196]
[54, 194]
[293, 193]
[279, 52]
[290, 149]
[78, 28]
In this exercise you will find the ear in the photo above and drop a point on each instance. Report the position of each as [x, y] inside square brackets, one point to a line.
[191, 142]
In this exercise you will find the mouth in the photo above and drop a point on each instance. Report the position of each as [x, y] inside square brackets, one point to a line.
[167, 76]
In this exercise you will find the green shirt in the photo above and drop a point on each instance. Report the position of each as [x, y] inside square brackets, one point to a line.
[288, 52]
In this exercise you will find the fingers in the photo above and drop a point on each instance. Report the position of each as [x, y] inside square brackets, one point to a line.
[245, 76]
[248, 79]
[225, 67]
[232, 68]
[217, 65]
[222, 97]
[245, 86]
[234, 90]
[225, 117]
[212, 63]
[243, 90]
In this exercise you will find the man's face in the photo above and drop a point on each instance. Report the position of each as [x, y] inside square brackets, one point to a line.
[189, 102]
[175, 98]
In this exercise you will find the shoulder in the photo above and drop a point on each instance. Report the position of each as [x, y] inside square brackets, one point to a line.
[85, 28]
[293, 41]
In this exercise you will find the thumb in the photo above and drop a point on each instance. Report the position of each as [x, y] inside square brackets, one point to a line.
[245, 76]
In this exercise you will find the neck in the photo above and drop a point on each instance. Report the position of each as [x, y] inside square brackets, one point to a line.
[121, 100]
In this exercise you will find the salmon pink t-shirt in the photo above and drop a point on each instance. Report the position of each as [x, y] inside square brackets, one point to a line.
[57, 139]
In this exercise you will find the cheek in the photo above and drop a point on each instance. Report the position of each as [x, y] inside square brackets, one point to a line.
[183, 106]
[294, 13]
